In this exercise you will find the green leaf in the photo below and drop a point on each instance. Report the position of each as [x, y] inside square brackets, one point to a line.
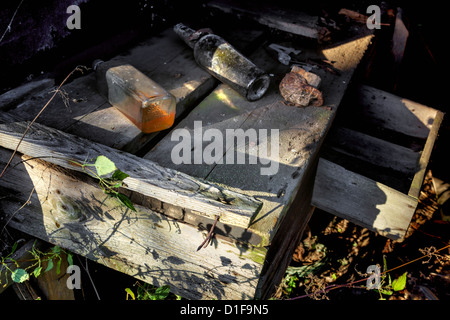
[49, 266]
[104, 166]
[70, 258]
[125, 200]
[20, 275]
[385, 291]
[56, 250]
[37, 272]
[400, 283]
[58, 266]
[161, 293]
[14, 247]
[130, 293]
[119, 175]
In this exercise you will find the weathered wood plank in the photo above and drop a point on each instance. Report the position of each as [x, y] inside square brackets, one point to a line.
[294, 22]
[146, 177]
[367, 203]
[19, 94]
[373, 150]
[150, 246]
[417, 182]
[300, 133]
[395, 113]
[286, 195]
[86, 113]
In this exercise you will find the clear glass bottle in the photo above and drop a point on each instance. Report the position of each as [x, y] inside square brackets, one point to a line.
[149, 106]
[225, 63]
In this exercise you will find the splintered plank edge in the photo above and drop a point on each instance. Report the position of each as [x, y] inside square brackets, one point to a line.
[146, 177]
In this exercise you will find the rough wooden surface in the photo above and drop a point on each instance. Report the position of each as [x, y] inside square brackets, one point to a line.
[78, 216]
[146, 178]
[362, 200]
[370, 181]
[87, 114]
[295, 22]
[395, 113]
[301, 131]
[374, 150]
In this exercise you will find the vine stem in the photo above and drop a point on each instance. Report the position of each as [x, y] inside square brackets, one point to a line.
[209, 236]
[336, 286]
[77, 68]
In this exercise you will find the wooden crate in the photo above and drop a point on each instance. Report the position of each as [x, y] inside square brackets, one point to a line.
[374, 160]
[261, 218]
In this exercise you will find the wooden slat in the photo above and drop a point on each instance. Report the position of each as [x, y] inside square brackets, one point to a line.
[147, 245]
[301, 132]
[389, 111]
[146, 177]
[295, 22]
[164, 58]
[373, 150]
[286, 195]
[417, 182]
[362, 200]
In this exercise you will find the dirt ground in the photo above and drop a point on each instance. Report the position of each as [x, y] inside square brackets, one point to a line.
[332, 259]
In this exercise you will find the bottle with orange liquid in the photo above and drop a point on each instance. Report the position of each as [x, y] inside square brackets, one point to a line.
[149, 106]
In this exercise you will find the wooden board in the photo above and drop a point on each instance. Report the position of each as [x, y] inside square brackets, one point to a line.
[300, 133]
[395, 113]
[362, 200]
[286, 195]
[373, 182]
[86, 113]
[374, 150]
[78, 216]
[295, 22]
[146, 178]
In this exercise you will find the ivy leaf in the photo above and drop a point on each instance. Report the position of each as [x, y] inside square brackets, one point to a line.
[125, 200]
[400, 283]
[49, 266]
[19, 275]
[104, 166]
[119, 175]
[70, 259]
[37, 272]
[161, 293]
[56, 250]
[385, 291]
[130, 293]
